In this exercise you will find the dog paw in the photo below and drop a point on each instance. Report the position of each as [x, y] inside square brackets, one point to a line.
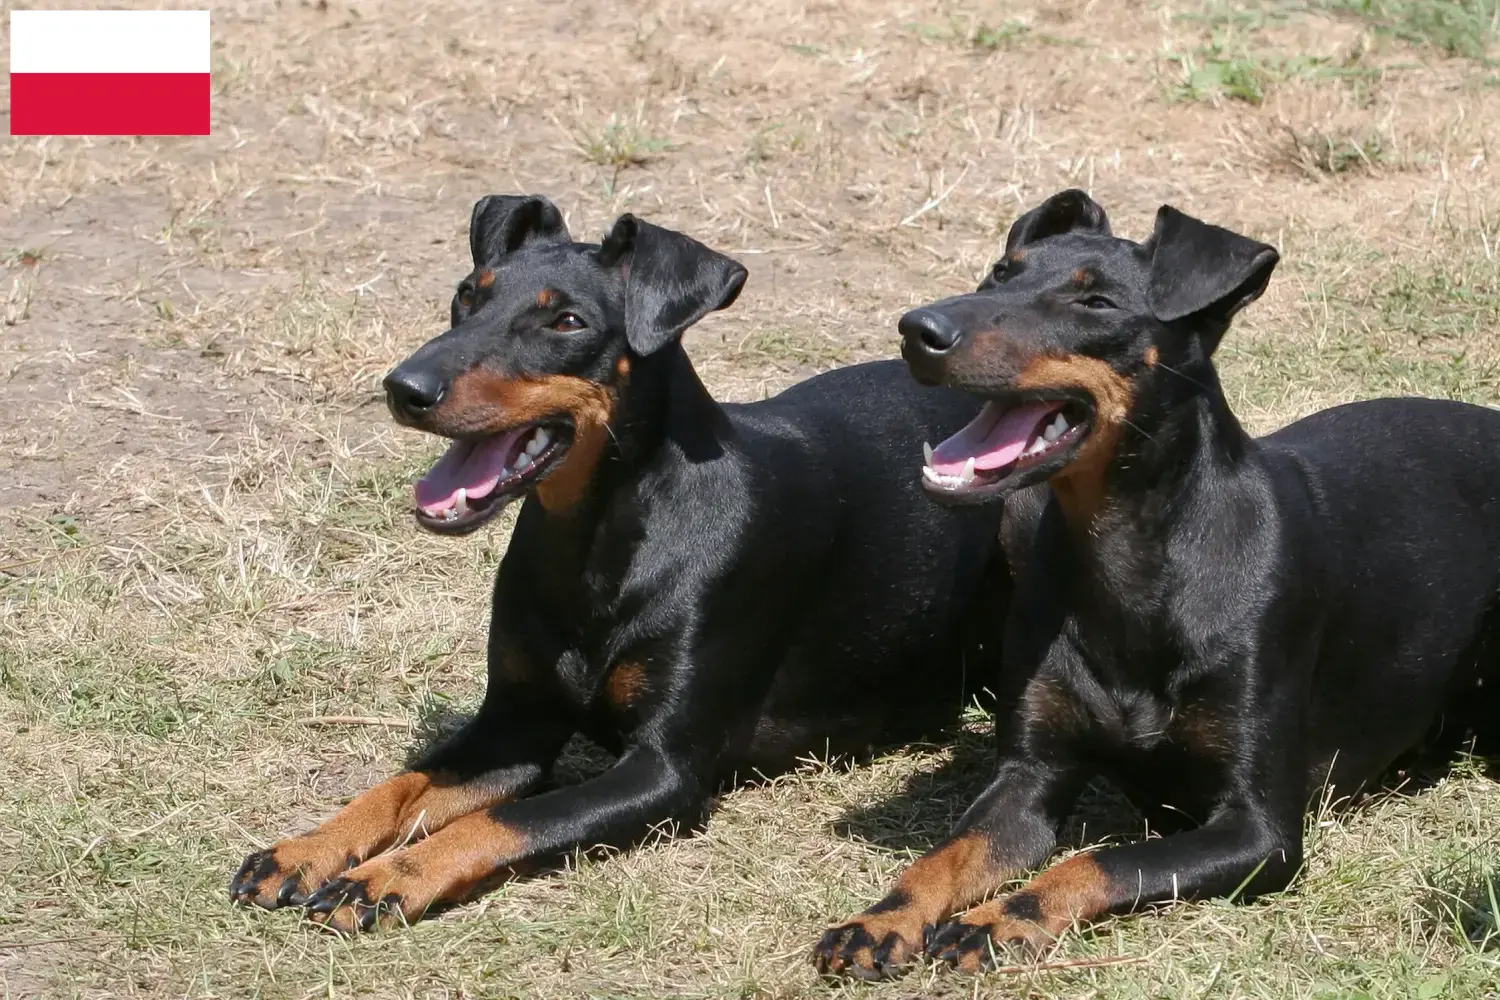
[871, 946]
[387, 891]
[973, 942]
[349, 905]
[281, 875]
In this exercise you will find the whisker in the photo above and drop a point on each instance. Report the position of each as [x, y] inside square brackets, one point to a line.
[1185, 378]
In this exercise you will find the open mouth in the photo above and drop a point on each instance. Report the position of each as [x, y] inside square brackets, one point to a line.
[475, 479]
[1010, 444]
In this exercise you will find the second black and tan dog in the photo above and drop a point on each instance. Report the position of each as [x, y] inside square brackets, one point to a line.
[1224, 626]
[705, 589]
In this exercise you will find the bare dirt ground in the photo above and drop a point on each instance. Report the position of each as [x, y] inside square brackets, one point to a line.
[204, 538]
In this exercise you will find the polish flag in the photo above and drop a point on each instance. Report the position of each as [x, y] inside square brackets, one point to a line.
[109, 72]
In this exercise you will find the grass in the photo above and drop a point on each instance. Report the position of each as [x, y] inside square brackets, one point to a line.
[620, 143]
[204, 536]
[1456, 27]
[978, 35]
[1227, 67]
[1323, 151]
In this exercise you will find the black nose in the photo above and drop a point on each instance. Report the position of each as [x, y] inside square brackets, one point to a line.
[930, 330]
[413, 393]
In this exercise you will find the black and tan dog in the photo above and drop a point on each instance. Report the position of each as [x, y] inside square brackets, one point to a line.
[705, 589]
[1221, 625]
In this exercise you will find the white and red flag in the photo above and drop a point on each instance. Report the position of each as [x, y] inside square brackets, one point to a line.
[109, 72]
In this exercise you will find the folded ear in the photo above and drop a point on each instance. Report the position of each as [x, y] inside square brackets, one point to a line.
[671, 281]
[503, 223]
[1065, 212]
[1203, 270]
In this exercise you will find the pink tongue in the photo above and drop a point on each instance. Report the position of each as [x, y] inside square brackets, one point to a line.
[472, 467]
[994, 439]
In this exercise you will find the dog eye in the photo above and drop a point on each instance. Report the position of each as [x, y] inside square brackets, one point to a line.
[1098, 302]
[466, 296]
[567, 323]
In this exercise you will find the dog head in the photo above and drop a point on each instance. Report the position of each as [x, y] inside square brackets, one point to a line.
[1070, 336]
[544, 334]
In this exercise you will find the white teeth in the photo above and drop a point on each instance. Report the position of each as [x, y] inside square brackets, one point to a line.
[937, 478]
[462, 506]
[1038, 445]
[451, 514]
[927, 452]
[1056, 429]
[522, 463]
[538, 442]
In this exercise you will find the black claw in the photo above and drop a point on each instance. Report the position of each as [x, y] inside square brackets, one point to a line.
[291, 891]
[836, 950]
[253, 870]
[936, 940]
[335, 893]
[955, 939]
[827, 947]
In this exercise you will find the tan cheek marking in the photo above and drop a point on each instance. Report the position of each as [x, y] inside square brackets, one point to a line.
[486, 278]
[1017, 257]
[1079, 487]
[480, 401]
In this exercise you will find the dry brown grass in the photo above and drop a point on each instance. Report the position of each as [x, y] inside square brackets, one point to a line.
[203, 536]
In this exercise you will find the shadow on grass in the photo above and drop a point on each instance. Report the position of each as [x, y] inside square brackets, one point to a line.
[930, 804]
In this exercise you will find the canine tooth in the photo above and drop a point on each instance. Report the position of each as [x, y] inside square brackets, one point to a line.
[537, 443]
[968, 476]
[927, 452]
[462, 506]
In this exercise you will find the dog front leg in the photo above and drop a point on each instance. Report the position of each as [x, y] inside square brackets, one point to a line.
[643, 789]
[501, 754]
[1239, 849]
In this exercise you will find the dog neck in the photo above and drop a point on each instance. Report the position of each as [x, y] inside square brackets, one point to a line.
[662, 415]
[1175, 464]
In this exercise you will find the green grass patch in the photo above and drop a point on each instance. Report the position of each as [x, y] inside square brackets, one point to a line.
[1226, 67]
[620, 143]
[1456, 27]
